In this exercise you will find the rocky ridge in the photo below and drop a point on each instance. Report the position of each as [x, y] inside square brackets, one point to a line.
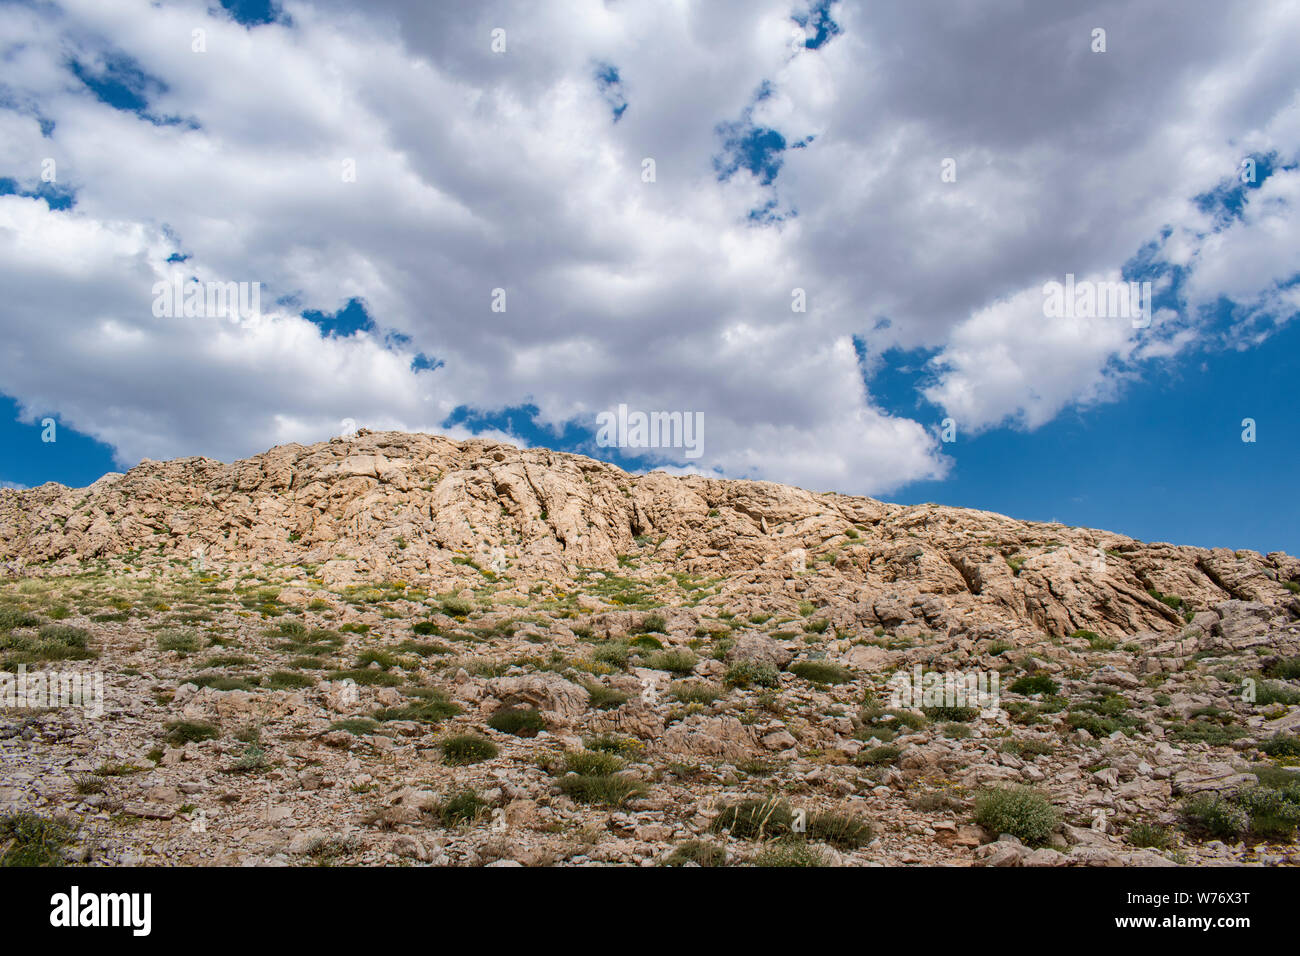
[317, 654]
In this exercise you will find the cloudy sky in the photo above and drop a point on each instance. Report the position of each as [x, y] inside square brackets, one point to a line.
[450, 215]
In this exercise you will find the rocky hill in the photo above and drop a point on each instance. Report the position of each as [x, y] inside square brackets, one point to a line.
[389, 505]
[400, 646]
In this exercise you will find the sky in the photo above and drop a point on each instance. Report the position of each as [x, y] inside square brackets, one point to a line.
[826, 230]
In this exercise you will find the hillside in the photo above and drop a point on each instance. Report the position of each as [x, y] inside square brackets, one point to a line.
[398, 646]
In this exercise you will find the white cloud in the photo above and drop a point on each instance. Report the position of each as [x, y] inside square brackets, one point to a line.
[477, 171]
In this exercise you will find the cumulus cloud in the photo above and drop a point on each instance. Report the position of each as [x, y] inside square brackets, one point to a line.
[477, 171]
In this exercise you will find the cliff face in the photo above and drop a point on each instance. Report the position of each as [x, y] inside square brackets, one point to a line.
[421, 508]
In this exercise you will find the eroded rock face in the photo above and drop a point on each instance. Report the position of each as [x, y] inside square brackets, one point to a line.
[390, 505]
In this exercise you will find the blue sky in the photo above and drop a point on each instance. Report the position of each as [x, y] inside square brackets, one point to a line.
[454, 233]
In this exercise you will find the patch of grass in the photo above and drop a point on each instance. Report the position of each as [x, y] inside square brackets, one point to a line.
[878, 756]
[620, 746]
[1281, 745]
[357, 726]
[1286, 668]
[694, 692]
[822, 672]
[53, 642]
[1169, 600]
[28, 839]
[367, 677]
[1210, 815]
[615, 653]
[956, 714]
[1150, 836]
[698, 852]
[520, 721]
[1028, 747]
[608, 791]
[677, 661]
[88, 783]
[1021, 811]
[652, 624]
[1034, 684]
[787, 853]
[288, 680]
[755, 819]
[467, 748]
[841, 830]
[221, 682]
[434, 707]
[461, 808]
[752, 673]
[181, 732]
[181, 642]
[457, 608]
[12, 617]
[605, 698]
[591, 763]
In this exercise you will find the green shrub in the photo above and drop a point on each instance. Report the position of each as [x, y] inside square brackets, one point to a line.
[676, 661]
[699, 852]
[27, 839]
[822, 672]
[591, 763]
[467, 748]
[365, 677]
[457, 608]
[357, 726]
[747, 673]
[609, 744]
[1281, 745]
[221, 682]
[12, 617]
[615, 653]
[181, 732]
[430, 709]
[1028, 747]
[286, 680]
[462, 807]
[606, 791]
[755, 819]
[605, 698]
[1034, 684]
[842, 831]
[183, 642]
[785, 853]
[424, 628]
[1208, 814]
[878, 756]
[694, 692]
[520, 721]
[652, 623]
[1272, 692]
[1022, 812]
[1287, 668]
[1150, 836]
[1274, 814]
[958, 714]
